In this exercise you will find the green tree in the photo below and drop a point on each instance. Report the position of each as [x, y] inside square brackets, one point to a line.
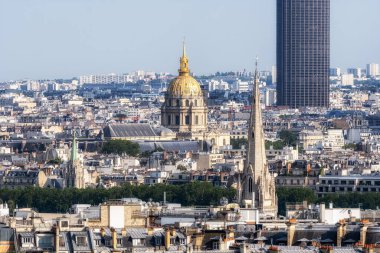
[238, 143]
[291, 195]
[57, 160]
[350, 146]
[275, 144]
[121, 147]
[288, 137]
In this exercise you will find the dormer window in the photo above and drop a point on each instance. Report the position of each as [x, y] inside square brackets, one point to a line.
[81, 240]
[64, 224]
[61, 241]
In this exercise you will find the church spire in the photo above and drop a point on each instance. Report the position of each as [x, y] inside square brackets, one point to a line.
[184, 62]
[258, 186]
[256, 141]
[74, 149]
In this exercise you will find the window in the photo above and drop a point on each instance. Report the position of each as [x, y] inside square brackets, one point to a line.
[215, 245]
[81, 241]
[250, 185]
[187, 103]
[196, 102]
[343, 182]
[178, 102]
[64, 224]
[187, 119]
[27, 240]
[177, 120]
[119, 241]
[196, 120]
[61, 241]
[169, 120]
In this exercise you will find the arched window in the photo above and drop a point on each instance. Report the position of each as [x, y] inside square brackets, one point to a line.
[178, 103]
[250, 185]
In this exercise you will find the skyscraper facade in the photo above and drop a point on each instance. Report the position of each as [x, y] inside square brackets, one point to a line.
[303, 53]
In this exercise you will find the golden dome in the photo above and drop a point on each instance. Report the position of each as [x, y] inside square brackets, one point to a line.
[184, 84]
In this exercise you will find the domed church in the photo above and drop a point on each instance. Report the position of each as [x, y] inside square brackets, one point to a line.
[185, 108]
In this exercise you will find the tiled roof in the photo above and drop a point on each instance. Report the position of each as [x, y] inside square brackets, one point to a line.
[128, 130]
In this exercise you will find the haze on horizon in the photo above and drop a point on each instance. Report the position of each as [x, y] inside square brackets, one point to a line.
[66, 38]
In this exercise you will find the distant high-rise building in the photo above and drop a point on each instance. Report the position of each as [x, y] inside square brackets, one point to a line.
[303, 53]
[335, 72]
[373, 69]
[348, 79]
[357, 72]
[274, 74]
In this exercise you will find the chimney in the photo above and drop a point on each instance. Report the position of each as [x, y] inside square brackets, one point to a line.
[341, 231]
[123, 232]
[102, 232]
[363, 231]
[291, 230]
[167, 238]
[57, 233]
[174, 232]
[322, 213]
[114, 238]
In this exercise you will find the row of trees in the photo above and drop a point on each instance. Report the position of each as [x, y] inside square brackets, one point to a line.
[196, 193]
[60, 200]
[369, 200]
[121, 147]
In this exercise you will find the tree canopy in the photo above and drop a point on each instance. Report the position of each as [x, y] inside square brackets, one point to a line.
[288, 137]
[60, 200]
[121, 147]
[238, 143]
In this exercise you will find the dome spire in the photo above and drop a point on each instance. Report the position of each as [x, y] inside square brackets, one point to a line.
[184, 48]
[184, 62]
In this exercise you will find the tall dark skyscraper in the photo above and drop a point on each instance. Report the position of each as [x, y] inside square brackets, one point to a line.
[303, 53]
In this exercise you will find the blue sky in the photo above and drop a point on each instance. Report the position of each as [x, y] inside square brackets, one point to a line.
[67, 38]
